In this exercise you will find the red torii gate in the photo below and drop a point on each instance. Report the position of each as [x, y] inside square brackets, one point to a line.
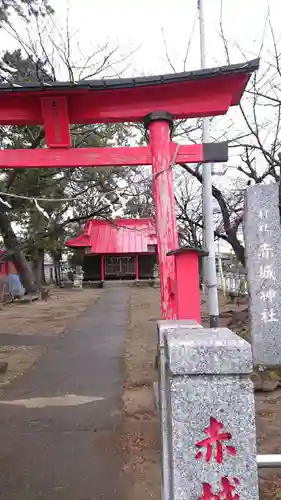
[156, 101]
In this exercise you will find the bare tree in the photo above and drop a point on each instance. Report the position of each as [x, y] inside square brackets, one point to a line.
[58, 50]
[253, 134]
[138, 193]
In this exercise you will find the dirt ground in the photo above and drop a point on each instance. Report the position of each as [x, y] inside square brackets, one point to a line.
[38, 319]
[140, 428]
[46, 317]
[140, 431]
[20, 359]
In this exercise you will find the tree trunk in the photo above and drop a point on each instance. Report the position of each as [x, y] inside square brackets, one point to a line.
[56, 260]
[56, 274]
[12, 244]
[38, 268]
[237, 247]
[43, 268]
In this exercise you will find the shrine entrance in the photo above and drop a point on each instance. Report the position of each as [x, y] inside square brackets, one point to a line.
[120, 267]
[155, 101]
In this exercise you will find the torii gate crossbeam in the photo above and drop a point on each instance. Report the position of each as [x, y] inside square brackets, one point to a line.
[109, 157]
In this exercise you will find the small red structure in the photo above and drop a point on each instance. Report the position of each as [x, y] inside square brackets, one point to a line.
[186, 287]
[117, 249]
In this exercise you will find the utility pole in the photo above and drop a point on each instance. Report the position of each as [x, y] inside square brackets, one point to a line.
[209, 263]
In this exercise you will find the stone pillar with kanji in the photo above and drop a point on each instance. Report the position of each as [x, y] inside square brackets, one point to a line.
[211, 416]
[262, 234]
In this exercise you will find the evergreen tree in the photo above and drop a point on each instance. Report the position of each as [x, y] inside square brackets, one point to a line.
[85, 192]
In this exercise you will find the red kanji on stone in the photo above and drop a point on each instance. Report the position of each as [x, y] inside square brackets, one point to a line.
[227, 491]
[214, 442]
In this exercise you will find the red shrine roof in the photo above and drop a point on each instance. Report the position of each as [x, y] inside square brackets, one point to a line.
[118, 236]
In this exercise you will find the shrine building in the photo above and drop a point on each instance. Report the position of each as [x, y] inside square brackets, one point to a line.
[123, 249]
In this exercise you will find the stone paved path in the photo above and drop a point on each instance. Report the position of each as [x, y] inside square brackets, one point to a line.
[59, 447]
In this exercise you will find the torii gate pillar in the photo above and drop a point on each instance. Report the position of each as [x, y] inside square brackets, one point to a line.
[159, 125]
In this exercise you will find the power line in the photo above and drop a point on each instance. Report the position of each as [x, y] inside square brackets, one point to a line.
[32, 198]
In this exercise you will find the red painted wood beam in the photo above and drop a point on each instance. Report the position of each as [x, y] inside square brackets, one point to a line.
[102, 267]
[108, 157]
[184, 99]
[137, 268]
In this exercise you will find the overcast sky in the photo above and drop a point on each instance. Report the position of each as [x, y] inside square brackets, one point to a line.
[142, 25]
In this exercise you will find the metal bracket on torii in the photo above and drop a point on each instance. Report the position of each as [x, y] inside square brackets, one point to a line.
[156, 101]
